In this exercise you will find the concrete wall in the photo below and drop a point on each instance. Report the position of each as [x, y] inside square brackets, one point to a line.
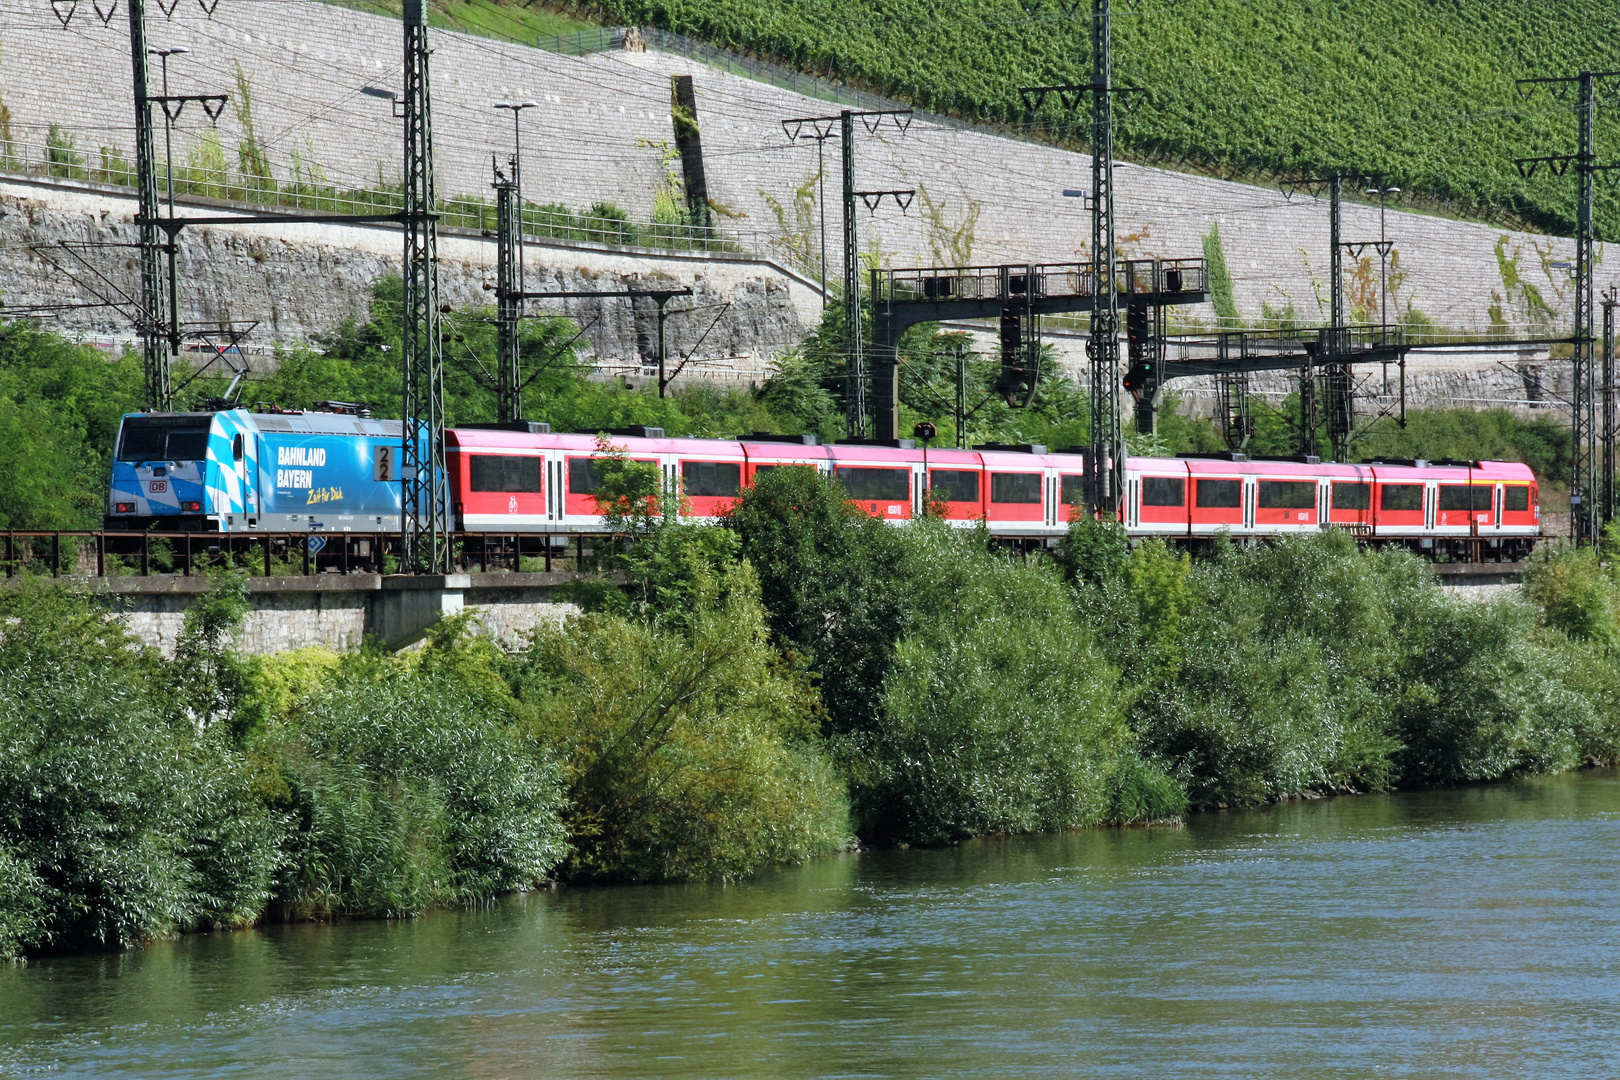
[340, 611]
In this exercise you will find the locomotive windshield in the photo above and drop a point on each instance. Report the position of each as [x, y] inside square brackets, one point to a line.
[164, 438]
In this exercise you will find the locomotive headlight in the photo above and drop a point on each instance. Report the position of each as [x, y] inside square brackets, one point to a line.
[194, 506]
[123, 508]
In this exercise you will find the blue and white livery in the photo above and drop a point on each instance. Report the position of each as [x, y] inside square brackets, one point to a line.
[237, 471]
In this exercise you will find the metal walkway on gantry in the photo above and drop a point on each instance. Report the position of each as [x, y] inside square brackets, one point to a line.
[1017, 295]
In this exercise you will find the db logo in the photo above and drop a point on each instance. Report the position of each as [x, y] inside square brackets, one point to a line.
[157, 487]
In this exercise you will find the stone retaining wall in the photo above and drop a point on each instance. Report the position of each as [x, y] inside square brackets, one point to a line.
[602, 131]
[300, 279]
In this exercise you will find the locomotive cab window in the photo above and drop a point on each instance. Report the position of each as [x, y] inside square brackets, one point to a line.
[1355, 496]
[1164, 491]
[164, 438]
[954, 485]
[1073, 489]
[1287, 494]
[1220, 494]
[1401, 497]
[1015, 487]
[505, 472]
[711, 479]
[1464, 497]
[1516, 499]
[875, 485]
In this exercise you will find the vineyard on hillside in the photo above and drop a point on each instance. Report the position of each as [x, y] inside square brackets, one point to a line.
[1419, 93]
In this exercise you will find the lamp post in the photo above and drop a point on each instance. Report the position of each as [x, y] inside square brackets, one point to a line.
[517, 108]
[1383, 194]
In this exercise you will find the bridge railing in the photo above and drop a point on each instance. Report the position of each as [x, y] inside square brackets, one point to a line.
[1013, 282]
[95, 554]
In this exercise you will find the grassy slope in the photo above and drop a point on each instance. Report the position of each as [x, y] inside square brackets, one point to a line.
[1420, 92]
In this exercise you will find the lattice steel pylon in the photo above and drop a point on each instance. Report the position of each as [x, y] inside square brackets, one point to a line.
[1585, 483]
[1584, 487]
[508, 382]
[155, 357]
[855, 371]
[1107, 429]
[1337, 383]
[424, 510]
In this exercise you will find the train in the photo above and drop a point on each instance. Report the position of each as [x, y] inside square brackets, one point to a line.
[338, 470]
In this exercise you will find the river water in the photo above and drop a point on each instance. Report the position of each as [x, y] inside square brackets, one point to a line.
[1448, 934]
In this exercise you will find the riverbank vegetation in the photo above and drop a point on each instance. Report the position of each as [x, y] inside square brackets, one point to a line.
[753, 693]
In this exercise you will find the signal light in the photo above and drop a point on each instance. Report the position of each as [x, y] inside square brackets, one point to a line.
[193, 506]
[123, 508]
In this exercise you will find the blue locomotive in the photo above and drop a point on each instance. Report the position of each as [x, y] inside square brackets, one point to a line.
[238, 471]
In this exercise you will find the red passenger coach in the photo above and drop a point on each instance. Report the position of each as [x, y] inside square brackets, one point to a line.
[524, 479]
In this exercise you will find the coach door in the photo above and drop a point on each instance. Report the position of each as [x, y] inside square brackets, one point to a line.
[1054, 499]
[554, 488]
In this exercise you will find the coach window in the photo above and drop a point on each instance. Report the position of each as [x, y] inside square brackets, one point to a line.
[1516, 499]
[1287, 494]
[1220, 494]
[1073, 489]
[1164, 491]
[584, 476]
[500, 472]
[1464, 497]
[1401, 497]
[875, 485]
[1015, 487]
[954, 485]
[711, 479]
[1352, 496]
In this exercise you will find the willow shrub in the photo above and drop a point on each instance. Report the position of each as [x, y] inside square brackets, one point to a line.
[1264, 671]
[836, 585]
[121, 818]
[998, 714]
[689, 753]
[1482, 696]
[1311, 663]
[409, 784]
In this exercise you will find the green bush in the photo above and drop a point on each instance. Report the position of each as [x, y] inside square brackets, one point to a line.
[1576, 594]
[22, 906]
[833, 582]
[998, 715]
[408, 791]
[121, 819]
[1278, 676]
[688, 755]
[1480, 698]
